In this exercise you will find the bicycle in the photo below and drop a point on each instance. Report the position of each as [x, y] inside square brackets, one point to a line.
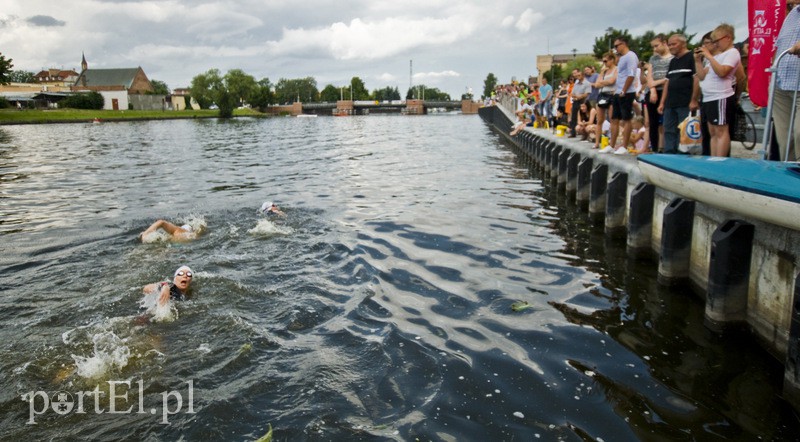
[744, 129]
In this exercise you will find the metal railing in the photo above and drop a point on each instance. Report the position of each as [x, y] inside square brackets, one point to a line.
[768, 119]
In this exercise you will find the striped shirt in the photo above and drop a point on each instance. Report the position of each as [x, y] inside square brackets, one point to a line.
[789, 67]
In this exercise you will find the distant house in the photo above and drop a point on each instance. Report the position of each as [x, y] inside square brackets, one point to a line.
[118, 86]
[56, 76]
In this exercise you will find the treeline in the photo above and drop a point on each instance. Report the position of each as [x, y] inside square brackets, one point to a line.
[237, 88]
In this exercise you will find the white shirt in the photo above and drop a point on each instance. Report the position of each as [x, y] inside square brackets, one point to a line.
[715, 87]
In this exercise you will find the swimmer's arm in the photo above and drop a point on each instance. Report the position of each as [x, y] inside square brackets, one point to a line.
[163, 298]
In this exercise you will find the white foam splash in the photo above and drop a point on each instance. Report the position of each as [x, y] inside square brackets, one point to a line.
[196, 221]
[266, 227]
[109, 351]
[157, 236]
[159, 312]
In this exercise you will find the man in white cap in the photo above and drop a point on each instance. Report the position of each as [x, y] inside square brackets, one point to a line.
[269, 208]
[177, 289]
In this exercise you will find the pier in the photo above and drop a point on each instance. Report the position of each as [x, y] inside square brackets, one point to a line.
[744, 270]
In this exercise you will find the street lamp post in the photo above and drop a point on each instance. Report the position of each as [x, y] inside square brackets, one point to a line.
[685, 7]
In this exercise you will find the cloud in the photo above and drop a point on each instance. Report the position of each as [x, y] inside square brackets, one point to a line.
[434, 76]
[45, 20]
[386, 77]
[369, 40]
[527, 19]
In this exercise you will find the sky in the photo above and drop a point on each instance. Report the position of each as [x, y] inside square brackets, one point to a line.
[450, 45]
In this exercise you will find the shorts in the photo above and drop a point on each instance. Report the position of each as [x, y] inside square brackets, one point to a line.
[720, 112]
[623, 107]
[604, 100]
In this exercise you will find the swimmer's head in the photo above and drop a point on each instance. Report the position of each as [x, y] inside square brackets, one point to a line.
[182, 278]
[266, 206]
[184, 269]
[188, 228]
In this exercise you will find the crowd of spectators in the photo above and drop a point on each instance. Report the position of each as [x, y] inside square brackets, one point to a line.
[633, 106]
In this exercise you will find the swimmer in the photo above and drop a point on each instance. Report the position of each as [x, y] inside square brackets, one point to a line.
[176, 233]
[177, 289]
[269, 208]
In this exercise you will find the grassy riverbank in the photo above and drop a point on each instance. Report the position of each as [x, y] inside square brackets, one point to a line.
[13, 116]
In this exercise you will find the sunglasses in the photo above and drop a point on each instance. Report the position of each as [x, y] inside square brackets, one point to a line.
[181, 273]
[718, 40]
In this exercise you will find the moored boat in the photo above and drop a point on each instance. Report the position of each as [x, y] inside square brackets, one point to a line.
[765, 190]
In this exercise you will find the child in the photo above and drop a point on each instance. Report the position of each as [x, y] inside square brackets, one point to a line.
[638, 139]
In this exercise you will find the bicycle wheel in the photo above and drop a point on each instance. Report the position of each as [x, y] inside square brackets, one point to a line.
[749, 138]
[743, 129]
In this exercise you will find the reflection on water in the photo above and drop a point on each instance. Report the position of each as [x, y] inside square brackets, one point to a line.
[379, 308]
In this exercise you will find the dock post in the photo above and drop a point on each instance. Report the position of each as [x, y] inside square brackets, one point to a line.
[584, 180]
[562, 166]
[616, 196]
[728, 275]
[555, 153]
[572, 172]
[597, 192]
[791, 373]
[676, 241]
[640, 218]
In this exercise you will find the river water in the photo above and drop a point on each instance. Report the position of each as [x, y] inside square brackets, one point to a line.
[379, 308]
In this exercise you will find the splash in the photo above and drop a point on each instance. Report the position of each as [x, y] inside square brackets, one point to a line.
[195, 221]
[110, 352]
[267, 228]
[158, 312]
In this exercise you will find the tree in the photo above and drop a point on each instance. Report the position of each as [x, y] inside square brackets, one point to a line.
[204, 87]
[554, 74]
[304, 89]
[579, 63]
[211, 88]
[603, 44]
[21, 77]
[640, 44]
[330, 94]
[5, 69]
[489, 84]
[83, 100]
[263, 96]
[240, 85]
[421, 91]
[159, 87]
[386, 94]
[360, 91]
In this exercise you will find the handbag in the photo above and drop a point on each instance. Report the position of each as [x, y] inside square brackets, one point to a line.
[603, 99]
[691, 135]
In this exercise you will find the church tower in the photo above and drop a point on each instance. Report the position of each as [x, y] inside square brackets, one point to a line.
[84, 65]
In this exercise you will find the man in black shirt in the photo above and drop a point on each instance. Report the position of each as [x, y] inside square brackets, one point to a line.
[680, 91]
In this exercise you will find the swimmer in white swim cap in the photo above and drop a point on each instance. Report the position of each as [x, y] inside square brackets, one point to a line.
[176, 290]
[177, 233]
[269, 208]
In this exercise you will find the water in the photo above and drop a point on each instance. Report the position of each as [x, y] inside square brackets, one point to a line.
[378, 309]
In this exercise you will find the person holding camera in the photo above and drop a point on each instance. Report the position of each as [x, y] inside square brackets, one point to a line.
[718, 76]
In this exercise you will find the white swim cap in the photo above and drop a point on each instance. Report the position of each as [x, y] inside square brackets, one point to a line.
[187, 227]
[265, 206]
[184, 268]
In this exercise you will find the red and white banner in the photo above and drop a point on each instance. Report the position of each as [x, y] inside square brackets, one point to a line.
[765, 18]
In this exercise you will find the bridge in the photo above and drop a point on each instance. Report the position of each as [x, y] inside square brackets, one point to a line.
[350, 107]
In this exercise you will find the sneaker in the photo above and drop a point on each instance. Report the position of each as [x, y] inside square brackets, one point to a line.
[607, 149]
[621, 151]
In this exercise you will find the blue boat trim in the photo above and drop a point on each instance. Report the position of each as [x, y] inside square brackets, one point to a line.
[781, 171]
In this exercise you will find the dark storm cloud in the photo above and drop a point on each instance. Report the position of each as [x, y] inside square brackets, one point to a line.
[45, 21]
